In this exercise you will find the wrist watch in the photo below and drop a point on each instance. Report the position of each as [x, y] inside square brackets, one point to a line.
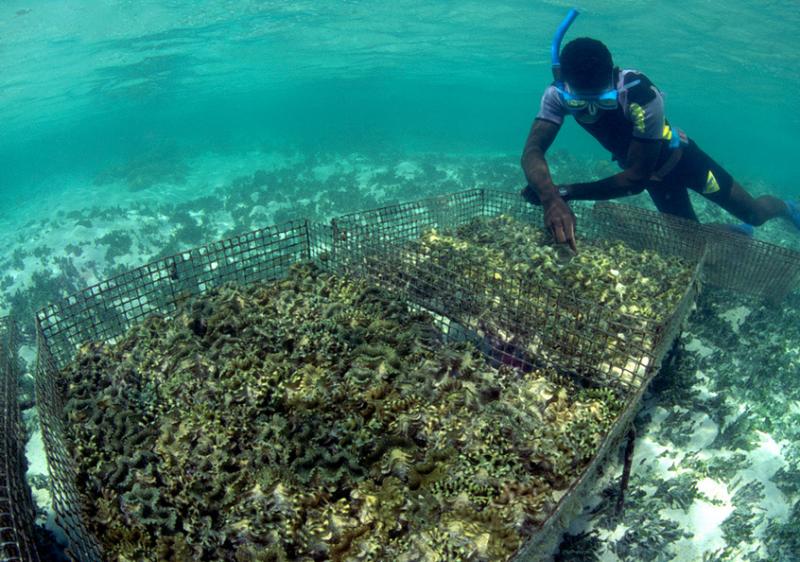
[563, 192]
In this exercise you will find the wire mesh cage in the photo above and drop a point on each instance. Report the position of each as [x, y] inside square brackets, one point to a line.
[732, 261]
[514, 320]
[751, 267]
[104, 311]
[520, 321]
[521, 318]
[17, 541]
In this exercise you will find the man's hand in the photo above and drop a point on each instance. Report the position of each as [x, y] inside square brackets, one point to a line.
[560, 219]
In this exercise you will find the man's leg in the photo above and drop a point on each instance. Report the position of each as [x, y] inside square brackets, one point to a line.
[749, 209]
[703, 174]
[672, 199]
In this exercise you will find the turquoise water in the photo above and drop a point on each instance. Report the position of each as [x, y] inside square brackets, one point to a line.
[131, 130]
[88, 83]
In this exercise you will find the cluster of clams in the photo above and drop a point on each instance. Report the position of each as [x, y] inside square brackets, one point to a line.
[602, 308]
[317, 418]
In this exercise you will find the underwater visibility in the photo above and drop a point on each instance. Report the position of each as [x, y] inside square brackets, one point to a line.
[417, 281]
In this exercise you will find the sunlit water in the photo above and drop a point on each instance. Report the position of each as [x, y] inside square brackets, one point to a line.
[86, 83]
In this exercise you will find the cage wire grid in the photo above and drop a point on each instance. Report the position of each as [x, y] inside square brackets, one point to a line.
[512, 326]
[512, 311]
[17, 542]
[359, 244]
[732, 262]
[371, 241]
[545, 540]
[104, 311]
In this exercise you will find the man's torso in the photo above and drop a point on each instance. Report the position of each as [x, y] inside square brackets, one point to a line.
[639, 114]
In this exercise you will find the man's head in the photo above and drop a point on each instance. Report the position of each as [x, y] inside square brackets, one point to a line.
[586, 65]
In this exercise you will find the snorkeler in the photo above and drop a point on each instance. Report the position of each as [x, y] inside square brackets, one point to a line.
[624, 111]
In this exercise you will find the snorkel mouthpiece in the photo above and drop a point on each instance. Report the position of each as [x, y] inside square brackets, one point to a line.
[555, 48]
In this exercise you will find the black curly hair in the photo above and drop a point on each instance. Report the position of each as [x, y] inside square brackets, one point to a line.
[586, 64]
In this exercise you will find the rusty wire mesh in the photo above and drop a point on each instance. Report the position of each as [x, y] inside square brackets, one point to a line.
[17, 541]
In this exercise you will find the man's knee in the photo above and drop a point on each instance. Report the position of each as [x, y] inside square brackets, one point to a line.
[756, 218]
[762, 210]
[745, 207]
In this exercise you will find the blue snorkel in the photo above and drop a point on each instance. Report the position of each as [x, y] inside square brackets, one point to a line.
[555, 48]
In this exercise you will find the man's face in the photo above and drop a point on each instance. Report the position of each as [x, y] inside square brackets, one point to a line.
[588, 104]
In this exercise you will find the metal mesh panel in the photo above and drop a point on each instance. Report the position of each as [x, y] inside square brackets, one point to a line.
[408, 221]
[543, 543]
[321, 244]
[751, 267]
[517, 321]
[67, 502]
[106, 310]
[638, 228]
[16, 505]
[732, 261]
[647, 230]
[520, 320]
[512, 319]
[505, 316]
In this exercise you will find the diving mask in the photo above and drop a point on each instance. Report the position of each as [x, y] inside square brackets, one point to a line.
[578, 102]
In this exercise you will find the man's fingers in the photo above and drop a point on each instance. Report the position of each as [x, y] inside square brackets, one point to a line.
[564, 233]
[558, 232]
[571, 237]
[561, 222]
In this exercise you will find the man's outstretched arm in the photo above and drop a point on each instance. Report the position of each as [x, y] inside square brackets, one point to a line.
[558, 216]
[642, 159]
[541, 136]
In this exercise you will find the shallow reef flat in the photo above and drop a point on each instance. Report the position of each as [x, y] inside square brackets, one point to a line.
[317, 418]
[736, 375]
[81, 233]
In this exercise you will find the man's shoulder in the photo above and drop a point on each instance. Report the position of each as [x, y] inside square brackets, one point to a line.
[552, 97]
[640, 90]
[551, 89]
